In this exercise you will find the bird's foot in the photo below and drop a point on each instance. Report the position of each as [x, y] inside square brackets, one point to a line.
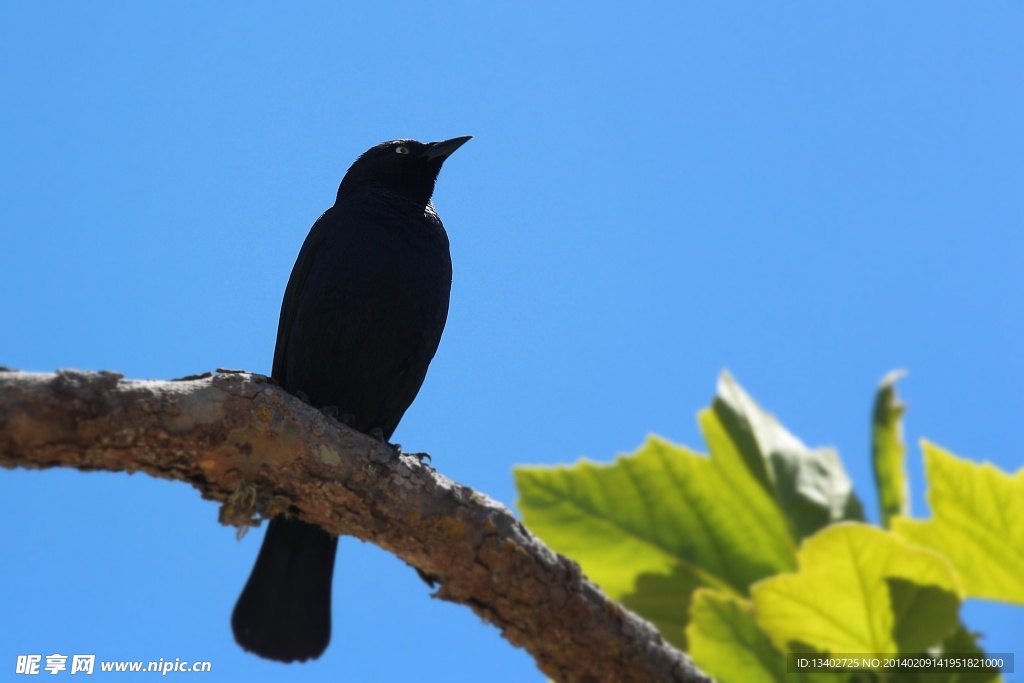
[347, 419]
[420, 456]
[301, 395]
[378, 433]
[431, 581]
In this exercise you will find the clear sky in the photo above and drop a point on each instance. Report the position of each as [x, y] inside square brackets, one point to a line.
[808, 194]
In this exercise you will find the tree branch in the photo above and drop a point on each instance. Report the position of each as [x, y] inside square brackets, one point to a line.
[248, 444]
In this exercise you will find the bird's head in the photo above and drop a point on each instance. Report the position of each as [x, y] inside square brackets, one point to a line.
[407, 167]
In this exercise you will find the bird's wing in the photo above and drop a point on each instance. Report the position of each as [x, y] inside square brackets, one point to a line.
[296, 282]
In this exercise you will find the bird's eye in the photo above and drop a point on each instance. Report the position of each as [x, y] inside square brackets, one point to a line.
[401, 149]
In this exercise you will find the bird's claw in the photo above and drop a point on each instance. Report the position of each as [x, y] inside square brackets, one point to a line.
[428, 579]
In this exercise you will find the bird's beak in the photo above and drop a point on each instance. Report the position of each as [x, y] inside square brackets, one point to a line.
[442, 150]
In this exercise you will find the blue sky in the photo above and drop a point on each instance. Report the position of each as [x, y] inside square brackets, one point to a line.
[807, 194]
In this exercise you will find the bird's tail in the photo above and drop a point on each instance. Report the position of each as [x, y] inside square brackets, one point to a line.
[284, 612]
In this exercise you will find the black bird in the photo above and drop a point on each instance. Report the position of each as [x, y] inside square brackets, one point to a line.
[361, 319]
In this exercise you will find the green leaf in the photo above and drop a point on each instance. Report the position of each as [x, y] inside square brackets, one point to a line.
[977, 522]
[654, 525]
[918, 610]
[664, 600]
[727, 644]
[888, 450]
[810, 485]
[963, 642]
[739, 506]
[844, 599]
[960, 643]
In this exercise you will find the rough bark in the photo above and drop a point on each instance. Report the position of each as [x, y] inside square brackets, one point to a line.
[259, 451]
